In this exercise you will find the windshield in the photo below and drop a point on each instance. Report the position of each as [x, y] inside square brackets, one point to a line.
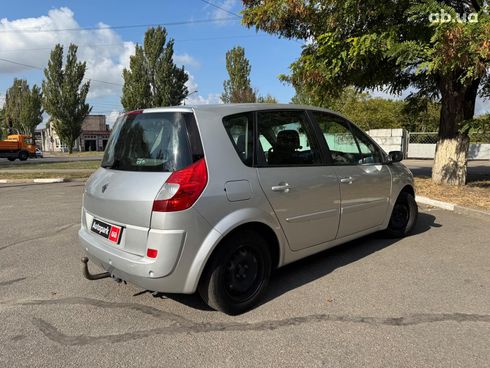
[149, 142]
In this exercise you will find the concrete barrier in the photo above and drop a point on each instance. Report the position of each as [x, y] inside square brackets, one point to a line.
[390, 139]
[477, 151]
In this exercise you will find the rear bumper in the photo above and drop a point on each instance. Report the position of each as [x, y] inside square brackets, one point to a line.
[152, 274]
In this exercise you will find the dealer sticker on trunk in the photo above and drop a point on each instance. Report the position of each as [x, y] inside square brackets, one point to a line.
[111, 232]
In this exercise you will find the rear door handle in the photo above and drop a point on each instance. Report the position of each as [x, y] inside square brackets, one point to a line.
[346, 180]
[281, 187]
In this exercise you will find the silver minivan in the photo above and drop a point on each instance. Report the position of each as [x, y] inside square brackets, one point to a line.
[213, 198]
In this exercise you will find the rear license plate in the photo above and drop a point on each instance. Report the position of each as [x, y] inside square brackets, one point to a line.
[108, 231]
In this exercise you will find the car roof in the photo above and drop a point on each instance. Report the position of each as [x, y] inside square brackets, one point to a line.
[228, 109]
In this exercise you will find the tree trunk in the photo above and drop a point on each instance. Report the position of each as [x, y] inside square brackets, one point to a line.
[450, 160]
[457, 105]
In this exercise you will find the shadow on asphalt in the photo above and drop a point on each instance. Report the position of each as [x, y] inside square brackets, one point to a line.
[302, 272]
[316, 266]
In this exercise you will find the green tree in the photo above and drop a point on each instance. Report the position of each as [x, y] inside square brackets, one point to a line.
[393, 45]
[238, 87]
[267, 99]
[64, 94]
[3, 125]
[153, 79]
[32, 112]
[13, 104]
[23, 107]
[420, 115]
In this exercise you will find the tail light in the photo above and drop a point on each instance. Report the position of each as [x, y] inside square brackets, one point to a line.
[182, 188]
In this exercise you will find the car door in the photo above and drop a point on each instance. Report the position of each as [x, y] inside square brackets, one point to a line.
[303, 192]
[365, 181]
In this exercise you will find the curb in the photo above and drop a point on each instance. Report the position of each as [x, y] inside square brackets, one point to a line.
[452, 207]
[432, 202]
[38, 181]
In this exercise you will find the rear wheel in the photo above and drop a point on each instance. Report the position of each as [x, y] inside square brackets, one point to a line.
[238, 274]
[23, 155]
[403, 216]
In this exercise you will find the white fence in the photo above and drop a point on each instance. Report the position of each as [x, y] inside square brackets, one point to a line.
[423, 145]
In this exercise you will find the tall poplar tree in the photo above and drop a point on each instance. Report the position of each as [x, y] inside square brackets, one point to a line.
[64, 94]
[238, 87]
[153, 79]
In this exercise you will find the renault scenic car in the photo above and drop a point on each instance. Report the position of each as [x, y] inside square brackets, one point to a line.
[213, 198]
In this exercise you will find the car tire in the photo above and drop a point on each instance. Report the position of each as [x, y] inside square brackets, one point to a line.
[237, 274]
[23, 155]
[403, 217]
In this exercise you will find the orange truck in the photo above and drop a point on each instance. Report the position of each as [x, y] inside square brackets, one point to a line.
[17, 146]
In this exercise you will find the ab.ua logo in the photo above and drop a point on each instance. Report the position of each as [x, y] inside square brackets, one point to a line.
[444, 17]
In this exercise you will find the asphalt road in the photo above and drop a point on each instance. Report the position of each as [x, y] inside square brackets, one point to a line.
[424, 167]
[423, 301]
[47, 160]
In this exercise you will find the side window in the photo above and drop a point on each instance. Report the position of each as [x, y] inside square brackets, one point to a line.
[346, 147]
[370, 154]
[240, 130]
[285, 139]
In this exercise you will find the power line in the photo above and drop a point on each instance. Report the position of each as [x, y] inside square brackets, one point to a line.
[122, 43]
[221, 8]
[39, 68]
[178, 23]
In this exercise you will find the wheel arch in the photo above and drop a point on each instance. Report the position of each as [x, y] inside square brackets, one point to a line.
[201, 262]
[408, 188]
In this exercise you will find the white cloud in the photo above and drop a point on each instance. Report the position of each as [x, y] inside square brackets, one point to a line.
[224, 12]
[104, 51]
[2, 100]
[112, 117]
[186, 60]
[195, 98]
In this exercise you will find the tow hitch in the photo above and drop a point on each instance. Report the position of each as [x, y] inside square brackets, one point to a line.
[89, 276]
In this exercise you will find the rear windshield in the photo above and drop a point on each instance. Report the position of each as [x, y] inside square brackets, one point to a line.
[166, 141]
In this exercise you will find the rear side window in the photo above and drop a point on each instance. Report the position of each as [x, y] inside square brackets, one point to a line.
[166, 141]
[240, 130]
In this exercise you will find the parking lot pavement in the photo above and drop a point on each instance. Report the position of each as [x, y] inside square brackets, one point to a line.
[423, 301]
[424, 167]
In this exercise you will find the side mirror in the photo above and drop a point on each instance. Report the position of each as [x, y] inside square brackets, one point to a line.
[395, 156]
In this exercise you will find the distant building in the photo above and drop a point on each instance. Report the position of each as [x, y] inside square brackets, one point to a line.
[95, 133]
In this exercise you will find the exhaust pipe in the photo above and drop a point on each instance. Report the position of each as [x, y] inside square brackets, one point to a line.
[89, 276]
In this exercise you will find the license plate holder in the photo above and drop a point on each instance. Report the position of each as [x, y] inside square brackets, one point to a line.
[108, 231]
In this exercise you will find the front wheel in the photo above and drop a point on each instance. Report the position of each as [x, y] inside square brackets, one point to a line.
[403, 216]
[238, 274]
[23, 156]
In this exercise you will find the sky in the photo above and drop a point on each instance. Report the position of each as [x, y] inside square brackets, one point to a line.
[202, 33]
[106, 32]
